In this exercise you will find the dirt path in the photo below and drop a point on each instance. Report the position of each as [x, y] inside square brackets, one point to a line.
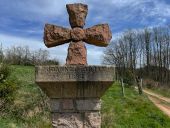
[157, 96]
[159, 101]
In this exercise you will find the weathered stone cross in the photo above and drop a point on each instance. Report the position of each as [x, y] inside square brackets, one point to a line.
[99, 35]
[75, 90]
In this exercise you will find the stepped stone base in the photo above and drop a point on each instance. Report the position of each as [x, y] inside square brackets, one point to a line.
[75, 93]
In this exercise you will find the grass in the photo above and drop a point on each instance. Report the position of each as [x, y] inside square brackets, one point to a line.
[131, 111]
[30, 108]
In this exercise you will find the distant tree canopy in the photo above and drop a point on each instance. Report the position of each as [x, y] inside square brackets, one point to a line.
[145, 53]
[22, 55]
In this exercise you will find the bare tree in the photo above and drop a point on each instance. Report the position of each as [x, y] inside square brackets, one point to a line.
[146, 53]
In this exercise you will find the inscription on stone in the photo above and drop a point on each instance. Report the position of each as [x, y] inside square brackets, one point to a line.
[72, 73]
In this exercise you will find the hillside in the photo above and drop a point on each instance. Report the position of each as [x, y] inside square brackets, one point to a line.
[30, 108]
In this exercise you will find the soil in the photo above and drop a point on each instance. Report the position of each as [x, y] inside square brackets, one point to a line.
[163, 103]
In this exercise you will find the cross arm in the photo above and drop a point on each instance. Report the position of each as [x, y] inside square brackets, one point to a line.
[56, 35]
[99, 35]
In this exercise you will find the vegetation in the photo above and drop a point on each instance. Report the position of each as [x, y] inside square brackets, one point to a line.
[30, 108]
[157, 87]
[8, 85]
[22, 55]
[146, 53]
[131, 111]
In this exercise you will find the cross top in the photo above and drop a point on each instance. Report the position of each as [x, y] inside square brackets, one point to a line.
[99, 35]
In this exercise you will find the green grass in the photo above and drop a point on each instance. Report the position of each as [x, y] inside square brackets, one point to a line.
[132, 111]
[29, 110]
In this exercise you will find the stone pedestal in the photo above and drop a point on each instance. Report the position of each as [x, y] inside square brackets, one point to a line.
[74, 93]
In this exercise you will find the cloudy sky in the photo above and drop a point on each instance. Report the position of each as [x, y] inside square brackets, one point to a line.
[22, 21]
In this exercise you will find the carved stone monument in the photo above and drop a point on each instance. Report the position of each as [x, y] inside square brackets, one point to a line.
[76, 88]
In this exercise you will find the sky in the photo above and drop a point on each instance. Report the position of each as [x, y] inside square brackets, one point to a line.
[22, 21]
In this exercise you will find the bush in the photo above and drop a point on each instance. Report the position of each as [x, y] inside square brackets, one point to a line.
[4, 72]
[7, 85]
[7, 89]
[51, 62]
[128, 78]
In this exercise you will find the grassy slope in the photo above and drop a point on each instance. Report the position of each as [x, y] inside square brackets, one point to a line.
[27, 110]
[133, 111]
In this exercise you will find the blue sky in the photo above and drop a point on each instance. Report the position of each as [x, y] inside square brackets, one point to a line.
[22, 21]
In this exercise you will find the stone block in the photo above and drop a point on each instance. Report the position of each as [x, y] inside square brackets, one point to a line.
[67, 120]
[78, 73]
[77, 14]
[54, 105]
[67, 104]
[88, 104]
[74, 81]
[92, 120]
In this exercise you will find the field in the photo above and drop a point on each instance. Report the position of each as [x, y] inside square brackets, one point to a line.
[30, 108]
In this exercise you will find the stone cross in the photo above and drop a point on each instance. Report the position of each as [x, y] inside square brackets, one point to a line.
[99, 35]
[75, 89]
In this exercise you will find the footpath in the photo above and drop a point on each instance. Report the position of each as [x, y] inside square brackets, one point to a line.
[163, 103]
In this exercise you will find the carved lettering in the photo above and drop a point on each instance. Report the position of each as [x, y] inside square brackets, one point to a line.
[76, 73]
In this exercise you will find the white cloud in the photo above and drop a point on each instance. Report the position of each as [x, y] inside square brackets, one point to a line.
[36, 10]
[40, 10]
[161, 9]
[9, 40]
[94, 54]
[154, 12]
[125, 3]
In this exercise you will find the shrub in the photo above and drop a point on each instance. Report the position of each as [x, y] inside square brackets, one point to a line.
[7, 85]
[7, 89]
[4, 72]
[128, 78]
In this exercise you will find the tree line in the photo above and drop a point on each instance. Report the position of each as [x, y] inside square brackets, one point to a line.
[144, 53]
[22, 55]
